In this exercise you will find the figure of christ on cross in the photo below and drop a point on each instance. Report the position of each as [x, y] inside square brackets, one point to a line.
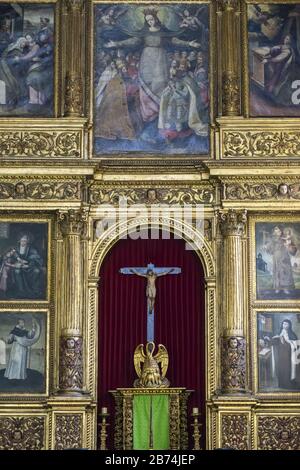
[151, 273]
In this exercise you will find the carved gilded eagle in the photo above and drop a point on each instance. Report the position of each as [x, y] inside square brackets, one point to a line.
[150, 369]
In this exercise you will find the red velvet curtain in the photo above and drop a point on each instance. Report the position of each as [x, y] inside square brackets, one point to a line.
[179, 316]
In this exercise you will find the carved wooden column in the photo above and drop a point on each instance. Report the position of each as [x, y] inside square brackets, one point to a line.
[233, 355]
[73, 227]
[74, 48]
[229, 14]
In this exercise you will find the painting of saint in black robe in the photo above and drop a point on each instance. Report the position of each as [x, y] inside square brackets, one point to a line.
[23, 263]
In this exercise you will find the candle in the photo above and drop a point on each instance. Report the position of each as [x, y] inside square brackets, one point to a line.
[104, 410]
[195, 411]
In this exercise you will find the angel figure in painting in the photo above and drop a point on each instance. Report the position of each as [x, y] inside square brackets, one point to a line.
[110, 16]
[189, 20]
[150, 375]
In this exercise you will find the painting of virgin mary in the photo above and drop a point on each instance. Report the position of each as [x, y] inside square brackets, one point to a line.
[148, 90]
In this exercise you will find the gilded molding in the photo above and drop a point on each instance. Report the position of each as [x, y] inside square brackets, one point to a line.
[278, 432]
[233, 372]
[68, 431]
[71, 363]
[40, 190]
[260, 144]
[174, 421]
[261, 190]
[128, 419]
[235, 431]
[190, 195]
[40, 144]
[22, 433]
[232, 222]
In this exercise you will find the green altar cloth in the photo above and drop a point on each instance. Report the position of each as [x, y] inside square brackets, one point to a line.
[151, 433]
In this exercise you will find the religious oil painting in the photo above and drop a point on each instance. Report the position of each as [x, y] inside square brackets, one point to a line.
[23, 337]
[151, 79]
[278, 260]
[26, 59]
[23, 261]
[278, 351]
[274, 59]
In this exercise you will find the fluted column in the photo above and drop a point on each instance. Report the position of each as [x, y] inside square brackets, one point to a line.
[233, 373]
[229, 13]
[74, 47]
[73, 227]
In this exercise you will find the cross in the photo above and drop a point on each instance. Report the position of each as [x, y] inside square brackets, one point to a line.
[151, 273]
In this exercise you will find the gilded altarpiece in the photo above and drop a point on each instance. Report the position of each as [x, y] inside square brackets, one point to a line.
[51, 173]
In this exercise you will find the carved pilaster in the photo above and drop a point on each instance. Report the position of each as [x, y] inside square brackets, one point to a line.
[128, 419]
[73, 227]
[233, 364]
[68, 431]
[74, 34]
[232, 226]
[71, 364]
[235, 433]
[229, 11]
[174, 422]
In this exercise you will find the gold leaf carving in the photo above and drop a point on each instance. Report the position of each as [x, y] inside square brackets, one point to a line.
[22, 433]
[266, 144]
[39, 144]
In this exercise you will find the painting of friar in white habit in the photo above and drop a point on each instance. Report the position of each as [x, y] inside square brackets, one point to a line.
[23, 261]
[277, 260]
[22, 352]
[26, 59]
[274, 59]
[151, 78]
[278, 351]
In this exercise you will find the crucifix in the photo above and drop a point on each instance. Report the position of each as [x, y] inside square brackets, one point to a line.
[151, 273]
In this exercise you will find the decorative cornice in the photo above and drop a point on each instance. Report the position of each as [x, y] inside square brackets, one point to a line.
[40, 190]
[261, 190]
[100, 194]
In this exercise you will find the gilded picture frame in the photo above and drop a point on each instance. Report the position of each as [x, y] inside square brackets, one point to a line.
[25, 373]
[273, 373]
[264, 80]
[143, 157]
[52, 56]
[274, 242]
[25, 278]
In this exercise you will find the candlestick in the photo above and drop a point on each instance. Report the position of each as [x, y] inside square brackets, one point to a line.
[102, 426]
[196, 429]
[104, 410]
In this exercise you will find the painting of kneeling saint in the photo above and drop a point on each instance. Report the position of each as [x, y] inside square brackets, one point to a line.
[274, 58]
[23, 261]
[278, 351]
[277, 260]
[22, 352]
[151, 78]
[26, 59]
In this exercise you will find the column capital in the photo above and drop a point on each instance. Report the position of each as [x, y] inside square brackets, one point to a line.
[228, 5]
[232, 222]
[74, 5]
[73, 222]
